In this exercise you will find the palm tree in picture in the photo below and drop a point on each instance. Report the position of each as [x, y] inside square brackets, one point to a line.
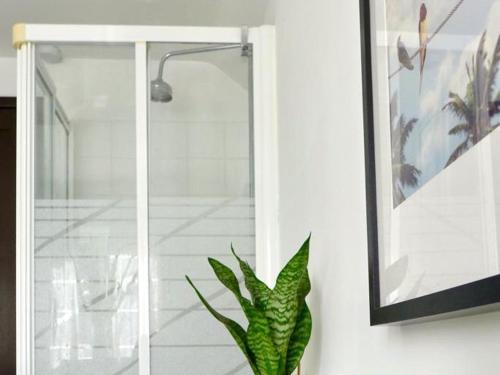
[404, 174]
[478, 106]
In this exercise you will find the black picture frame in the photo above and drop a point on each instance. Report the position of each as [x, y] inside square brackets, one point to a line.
[471, 298]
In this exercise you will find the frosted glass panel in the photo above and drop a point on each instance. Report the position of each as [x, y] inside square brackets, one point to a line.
[85, 252]
[200, 201]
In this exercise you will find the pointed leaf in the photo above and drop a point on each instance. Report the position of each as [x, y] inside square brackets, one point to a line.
[261, 345]
[299, 340]
[259, 291]
[237, 332]
[283, 305]
[227, 277]
[304, 288]
[302, 330]
[259, 339]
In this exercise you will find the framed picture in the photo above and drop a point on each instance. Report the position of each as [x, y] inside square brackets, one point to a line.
[431, 86]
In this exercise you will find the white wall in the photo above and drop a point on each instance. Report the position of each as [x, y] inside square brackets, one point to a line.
[270, 13]
[7, 76]
[322, 190]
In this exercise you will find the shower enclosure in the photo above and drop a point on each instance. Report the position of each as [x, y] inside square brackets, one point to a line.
[141, 152]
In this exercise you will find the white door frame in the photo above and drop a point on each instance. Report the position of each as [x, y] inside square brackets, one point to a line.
[25, 36]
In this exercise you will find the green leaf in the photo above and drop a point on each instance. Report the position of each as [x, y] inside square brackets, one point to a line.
[286, 299]
[261, 345]
[237, 332]
[227, 277]
[280, 322]
[259, 339]
[259, 291]
[304, 288]
[299, 340]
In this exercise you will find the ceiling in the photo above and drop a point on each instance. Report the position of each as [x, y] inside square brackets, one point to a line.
[132, 12]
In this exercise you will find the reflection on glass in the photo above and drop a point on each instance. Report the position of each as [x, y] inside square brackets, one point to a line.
[60, 150]
[200, 202]
[437, 106]
[85, 254]
[43, 143]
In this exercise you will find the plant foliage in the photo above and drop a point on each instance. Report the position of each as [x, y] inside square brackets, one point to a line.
[279, 321]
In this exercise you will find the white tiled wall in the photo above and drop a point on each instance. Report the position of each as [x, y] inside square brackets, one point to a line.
[200, 158]
[199, 143]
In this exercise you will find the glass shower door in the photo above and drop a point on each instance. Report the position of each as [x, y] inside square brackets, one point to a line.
[85, 251]
[200, 201]
[121, 196]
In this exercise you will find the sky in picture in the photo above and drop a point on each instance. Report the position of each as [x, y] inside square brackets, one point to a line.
[429, 147]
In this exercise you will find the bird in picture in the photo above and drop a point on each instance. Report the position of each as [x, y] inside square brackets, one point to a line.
[423, 38]
[403, 56]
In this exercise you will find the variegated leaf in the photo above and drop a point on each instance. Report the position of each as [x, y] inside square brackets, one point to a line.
[227, 277]
[237, 332]
[259, 339]
[259, 291]
[261, 345]
[299, 340]
[286, 299]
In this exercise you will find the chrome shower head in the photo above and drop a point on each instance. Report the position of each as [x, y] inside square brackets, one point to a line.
[161, 91]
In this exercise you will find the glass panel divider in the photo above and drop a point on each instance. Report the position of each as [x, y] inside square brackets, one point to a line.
[141, 77]
[30, 185]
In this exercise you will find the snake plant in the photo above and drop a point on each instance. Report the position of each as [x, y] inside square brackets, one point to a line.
[279, 321]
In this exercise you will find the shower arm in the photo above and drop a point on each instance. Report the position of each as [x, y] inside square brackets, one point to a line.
[245, 47]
